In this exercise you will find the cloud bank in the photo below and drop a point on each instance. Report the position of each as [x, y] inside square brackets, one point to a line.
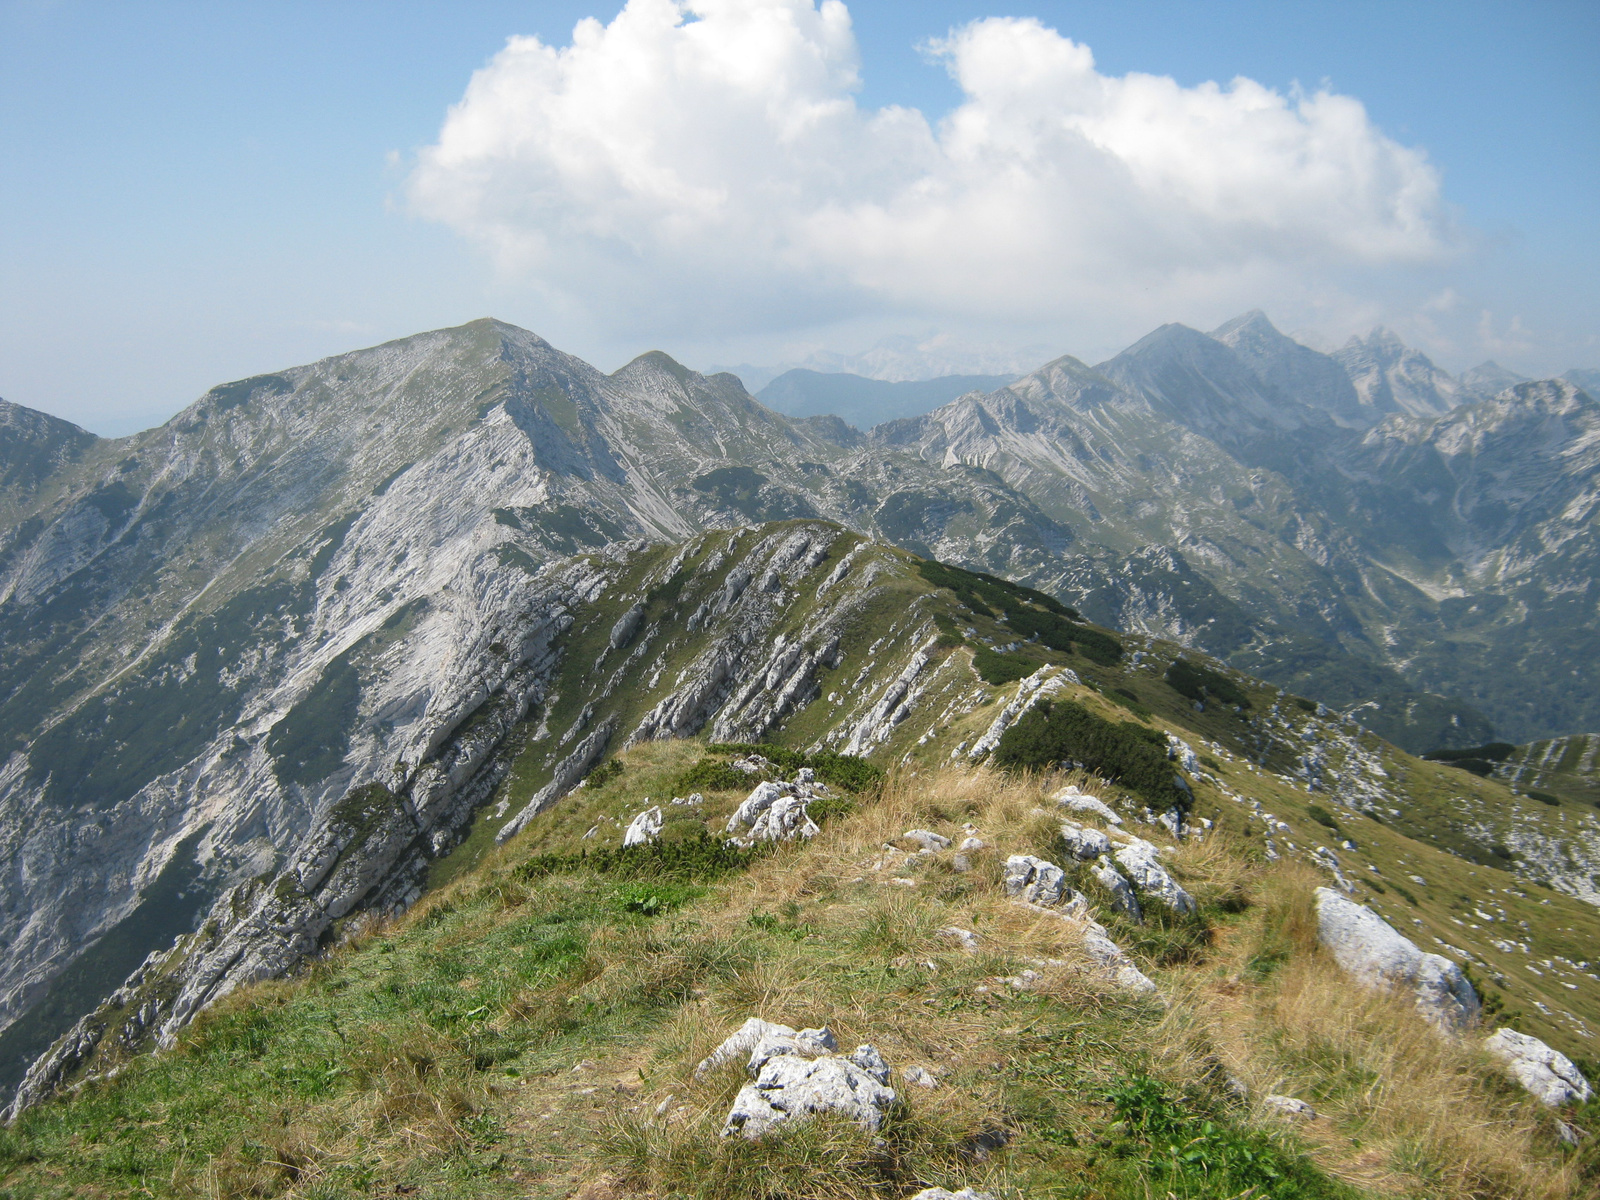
[702, 165]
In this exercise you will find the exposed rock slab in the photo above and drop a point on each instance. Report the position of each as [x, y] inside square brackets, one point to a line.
[1549, 1075]
[1372, 951]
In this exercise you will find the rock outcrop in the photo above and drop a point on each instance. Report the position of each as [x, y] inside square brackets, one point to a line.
[1370, 950]
[796, 1074]
[1549, 1075]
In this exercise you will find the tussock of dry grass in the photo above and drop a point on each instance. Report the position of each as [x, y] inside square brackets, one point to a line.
[1401, 1109]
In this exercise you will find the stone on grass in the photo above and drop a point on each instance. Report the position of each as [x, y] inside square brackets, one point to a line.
[939, 1193]
[1371, 950]
[1550, 1076]
[1122, 898]
[1086, 844]
[1115, 964]
[1034, 880]
[927, 839]
[964, 937]
[920, 1077]
[1288, 1106]
[1070, 797]
[760, 1040]
[1141, 860]
[645, 828]
[773, 812]
[790, 1086]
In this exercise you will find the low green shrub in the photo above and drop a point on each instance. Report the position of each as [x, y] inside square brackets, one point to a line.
[686, 859]
[1545, 798]
[710, 775]
[1001, 669]
[604, 773]
[1200, 684]
[1123, 752]
[1323, 817]
[846, 771]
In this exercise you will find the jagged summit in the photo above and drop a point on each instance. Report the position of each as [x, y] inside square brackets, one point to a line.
[1293, 372]
[1390, 377]
[1489, 378]
[1200, 383]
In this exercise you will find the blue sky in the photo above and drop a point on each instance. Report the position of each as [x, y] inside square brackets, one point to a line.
[196, 192]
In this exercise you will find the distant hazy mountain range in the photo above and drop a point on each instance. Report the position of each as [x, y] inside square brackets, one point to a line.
[212, 629]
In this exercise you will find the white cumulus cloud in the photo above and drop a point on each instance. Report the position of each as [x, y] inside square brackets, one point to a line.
[703, 164]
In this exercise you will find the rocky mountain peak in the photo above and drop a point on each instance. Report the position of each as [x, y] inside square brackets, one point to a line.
[1202, 384]
[33, 445]
[1391, 377]
[1294, 372]
[1488, 378]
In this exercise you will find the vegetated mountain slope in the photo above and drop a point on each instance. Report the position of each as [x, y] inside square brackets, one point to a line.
[867, 402]
[33, 447]
[1560, 769]
[557, 989]
[191, 614]
[808, 636]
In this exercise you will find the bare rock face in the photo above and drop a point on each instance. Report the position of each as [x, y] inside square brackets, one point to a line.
[1086, 844]
[1370, 949]
[1549, 1075]
[1123, 899]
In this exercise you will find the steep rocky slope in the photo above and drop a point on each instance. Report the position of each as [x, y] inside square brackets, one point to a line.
[201, 621]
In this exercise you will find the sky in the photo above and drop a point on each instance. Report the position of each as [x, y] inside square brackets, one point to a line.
[196, 192]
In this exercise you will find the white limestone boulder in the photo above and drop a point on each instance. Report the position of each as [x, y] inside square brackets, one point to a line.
[644, 828]
[1140, 860]
[1034, 880]
[1372, 951]
[1085, 845]
[1550, 1076]
[1122, 898]
[759, 1040]
[1289, 1106]
[790, 1086]
[1071, 798]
